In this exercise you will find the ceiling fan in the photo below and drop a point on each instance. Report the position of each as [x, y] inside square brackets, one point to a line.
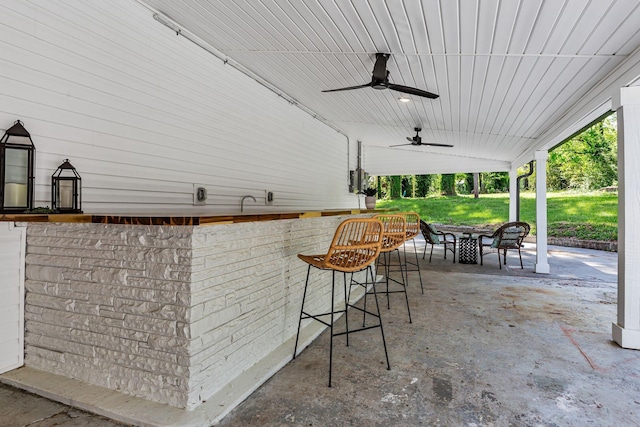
[417, 140]
[380, 80]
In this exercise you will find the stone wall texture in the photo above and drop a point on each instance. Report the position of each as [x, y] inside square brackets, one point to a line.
[247, 290]
[167, 313]
[107, 304]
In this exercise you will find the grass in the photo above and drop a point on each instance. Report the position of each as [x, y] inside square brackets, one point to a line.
[588, 216]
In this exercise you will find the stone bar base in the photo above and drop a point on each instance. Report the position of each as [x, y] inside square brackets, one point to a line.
[172, 314]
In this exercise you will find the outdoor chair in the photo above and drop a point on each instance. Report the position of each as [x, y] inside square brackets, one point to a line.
[355, 246]
[434, 237]
[508, 236]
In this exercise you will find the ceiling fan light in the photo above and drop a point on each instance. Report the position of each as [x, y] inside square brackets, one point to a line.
[403, 99]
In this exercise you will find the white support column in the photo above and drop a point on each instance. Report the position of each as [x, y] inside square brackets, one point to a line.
[626, 331]
[12, 256]
[513, 194]
[542, 265]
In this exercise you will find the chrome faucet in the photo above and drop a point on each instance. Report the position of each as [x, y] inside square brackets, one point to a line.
[242, 202]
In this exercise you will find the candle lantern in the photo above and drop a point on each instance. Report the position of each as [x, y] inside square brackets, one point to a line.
[65, 189]
[17, 158]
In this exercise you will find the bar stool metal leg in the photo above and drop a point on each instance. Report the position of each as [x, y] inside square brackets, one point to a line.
[417, 264]
[384, 342]
[333, 288]
[386, 260]
[346, 306]
[355, 247]
[304, 296]
[404, 284]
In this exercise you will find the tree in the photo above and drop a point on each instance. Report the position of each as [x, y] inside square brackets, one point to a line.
[408, 185]
[587, 161]
[476, 185]
[396, 187]
[423, 184]
[468, 182]
[494, 182]
[448, 184]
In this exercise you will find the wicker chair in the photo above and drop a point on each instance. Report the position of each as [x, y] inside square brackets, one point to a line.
[508, 236]
[393, 236]
[355, 246]
[413, 230]
[434, 237]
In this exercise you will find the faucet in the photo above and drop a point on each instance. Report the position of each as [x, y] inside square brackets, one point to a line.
[242, 202]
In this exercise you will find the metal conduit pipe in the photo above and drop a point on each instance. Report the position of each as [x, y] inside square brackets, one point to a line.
[518, 179]
[181, 31]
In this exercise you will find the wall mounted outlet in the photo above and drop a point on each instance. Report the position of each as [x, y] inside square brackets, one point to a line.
[268, 197]
[199, 195]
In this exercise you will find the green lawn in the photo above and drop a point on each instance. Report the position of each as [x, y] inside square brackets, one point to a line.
[591, 216]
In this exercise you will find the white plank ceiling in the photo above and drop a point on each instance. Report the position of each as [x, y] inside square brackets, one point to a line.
[513, 75]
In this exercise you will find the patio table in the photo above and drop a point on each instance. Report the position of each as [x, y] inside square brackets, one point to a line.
[468, 249]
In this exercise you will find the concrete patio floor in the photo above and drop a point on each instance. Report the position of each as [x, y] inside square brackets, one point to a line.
[487, 347]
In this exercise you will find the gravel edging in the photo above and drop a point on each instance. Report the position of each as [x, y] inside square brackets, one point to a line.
[557, 241]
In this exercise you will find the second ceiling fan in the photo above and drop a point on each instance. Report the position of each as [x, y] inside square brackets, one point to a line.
[417, 141]
[380, 80]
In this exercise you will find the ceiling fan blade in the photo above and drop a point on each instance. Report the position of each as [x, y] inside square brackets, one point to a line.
[400, 145]
[348, 88]
[435, 144]
[411, 139]
[380, 68]
[412, 91]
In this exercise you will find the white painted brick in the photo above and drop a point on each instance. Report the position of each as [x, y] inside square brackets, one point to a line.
[214, 320]
[167, 313]
[45, 273]
[150, 309]
[96, 331]
[108, 275]
[165, 285]
[37, 328]
[41, 287]
[149, 324]
[59, 345]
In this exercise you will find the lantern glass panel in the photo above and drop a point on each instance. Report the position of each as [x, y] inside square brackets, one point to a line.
[16, 178]
[65, 193]
[20, 140]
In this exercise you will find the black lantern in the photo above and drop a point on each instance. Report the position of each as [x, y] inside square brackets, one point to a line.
[65, 189]
[17, 157]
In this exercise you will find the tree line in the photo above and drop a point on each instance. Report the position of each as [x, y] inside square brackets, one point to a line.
[584, 163]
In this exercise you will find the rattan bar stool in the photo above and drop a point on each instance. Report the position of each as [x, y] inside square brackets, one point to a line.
[356, 245]
[394, 235]
[413, 230]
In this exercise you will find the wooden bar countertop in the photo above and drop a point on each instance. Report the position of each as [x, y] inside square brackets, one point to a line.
[177, 219]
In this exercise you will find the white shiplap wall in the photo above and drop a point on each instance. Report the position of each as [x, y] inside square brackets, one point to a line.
[144, 115]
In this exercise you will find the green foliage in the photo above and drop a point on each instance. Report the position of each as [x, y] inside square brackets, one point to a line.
[371, 191]
[384, 188]
[586, 162]
[423, 184]
[41, 210]
[448, 184]
[582, 215]
[396, 187]
[494, 182]
[408, 185]
[464, 183]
